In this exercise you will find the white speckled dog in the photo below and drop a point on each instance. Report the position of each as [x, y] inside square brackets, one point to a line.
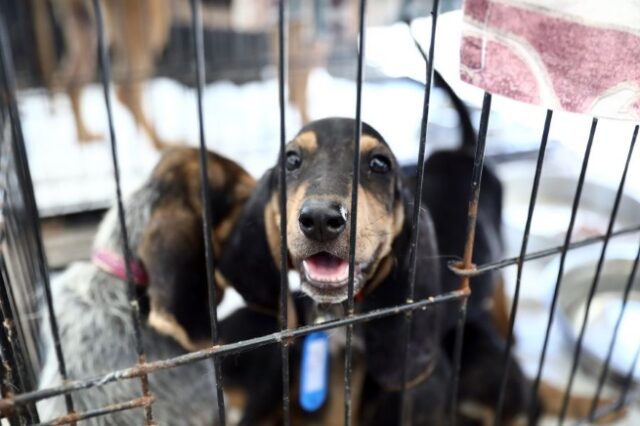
[164, 222]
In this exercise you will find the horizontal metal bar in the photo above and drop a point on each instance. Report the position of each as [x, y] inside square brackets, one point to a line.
[140, 402]
[487, 267]
[73, 418]
[7, 404]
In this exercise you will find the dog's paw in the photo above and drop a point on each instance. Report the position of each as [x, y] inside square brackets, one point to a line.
[87, 136]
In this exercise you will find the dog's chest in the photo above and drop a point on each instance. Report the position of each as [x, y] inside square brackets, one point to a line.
[332, 410]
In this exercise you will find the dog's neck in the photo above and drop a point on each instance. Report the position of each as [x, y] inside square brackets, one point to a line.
[382, 271]
[116, 265]
[108, 240]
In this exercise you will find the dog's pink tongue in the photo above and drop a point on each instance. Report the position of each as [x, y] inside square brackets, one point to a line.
[327, 268]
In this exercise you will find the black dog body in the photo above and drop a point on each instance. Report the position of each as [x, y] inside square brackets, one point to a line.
[319, 163]
[446, 190]
[319, 170]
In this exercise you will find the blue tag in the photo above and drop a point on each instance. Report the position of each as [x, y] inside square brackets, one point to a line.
[314, 371]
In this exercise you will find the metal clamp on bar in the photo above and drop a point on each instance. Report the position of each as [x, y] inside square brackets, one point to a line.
[457, 267]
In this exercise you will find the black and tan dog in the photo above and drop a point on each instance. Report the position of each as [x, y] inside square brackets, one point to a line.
[447, 182]
[318, 181]
[92, 307]
[318, 172]
[138, 33]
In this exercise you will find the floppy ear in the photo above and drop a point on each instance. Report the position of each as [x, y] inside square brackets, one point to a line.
[248, 261]
[172, 250]
[385, 337]
[172, 246]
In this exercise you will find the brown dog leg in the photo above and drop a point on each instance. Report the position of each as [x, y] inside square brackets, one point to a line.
[304, 54]
[298, 69]
[141, 35]
[298, 83]
[130, 94]
[83, 133]
[77, 68]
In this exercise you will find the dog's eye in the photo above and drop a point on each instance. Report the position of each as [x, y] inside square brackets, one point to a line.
[293, 160]
[379, 164]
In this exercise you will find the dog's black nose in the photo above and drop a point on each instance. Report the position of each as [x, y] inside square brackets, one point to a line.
[321, 220]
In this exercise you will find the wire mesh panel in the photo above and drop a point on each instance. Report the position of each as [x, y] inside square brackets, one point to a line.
[24, 270]
[22, 231]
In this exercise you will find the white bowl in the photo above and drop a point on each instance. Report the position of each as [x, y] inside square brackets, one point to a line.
[576, 282]
[553, 211]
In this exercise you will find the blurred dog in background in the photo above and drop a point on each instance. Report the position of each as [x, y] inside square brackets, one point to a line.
[138, 31]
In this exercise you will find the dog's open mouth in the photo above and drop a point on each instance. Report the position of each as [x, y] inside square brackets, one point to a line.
[325, 277]
[326, 270]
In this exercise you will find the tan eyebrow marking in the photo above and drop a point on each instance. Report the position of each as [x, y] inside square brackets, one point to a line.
[307, 141]
[367, 143]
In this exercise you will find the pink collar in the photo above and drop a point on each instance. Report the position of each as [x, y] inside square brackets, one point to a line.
[113, 264]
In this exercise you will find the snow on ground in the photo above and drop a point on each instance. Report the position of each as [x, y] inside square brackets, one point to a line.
[241, 122]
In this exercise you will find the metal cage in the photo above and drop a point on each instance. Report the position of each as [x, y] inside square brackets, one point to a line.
[24, 270]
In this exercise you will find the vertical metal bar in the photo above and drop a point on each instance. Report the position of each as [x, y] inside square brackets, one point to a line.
[13, 354]
[22, 166]
[625, 298]
[354, 211]
[596, 280]
[11, 357]
[6, 377]
[284, 261]
[457, 358]
[417, 203]
[605, 369]
[467, 263]
[628, 381]
[207, 214]
[506, 360]
[9, 383]
[476, 181]
[105, 67]
[624, 400]
[574, 209]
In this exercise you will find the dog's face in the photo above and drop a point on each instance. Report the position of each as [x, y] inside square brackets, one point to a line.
[319, 164]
